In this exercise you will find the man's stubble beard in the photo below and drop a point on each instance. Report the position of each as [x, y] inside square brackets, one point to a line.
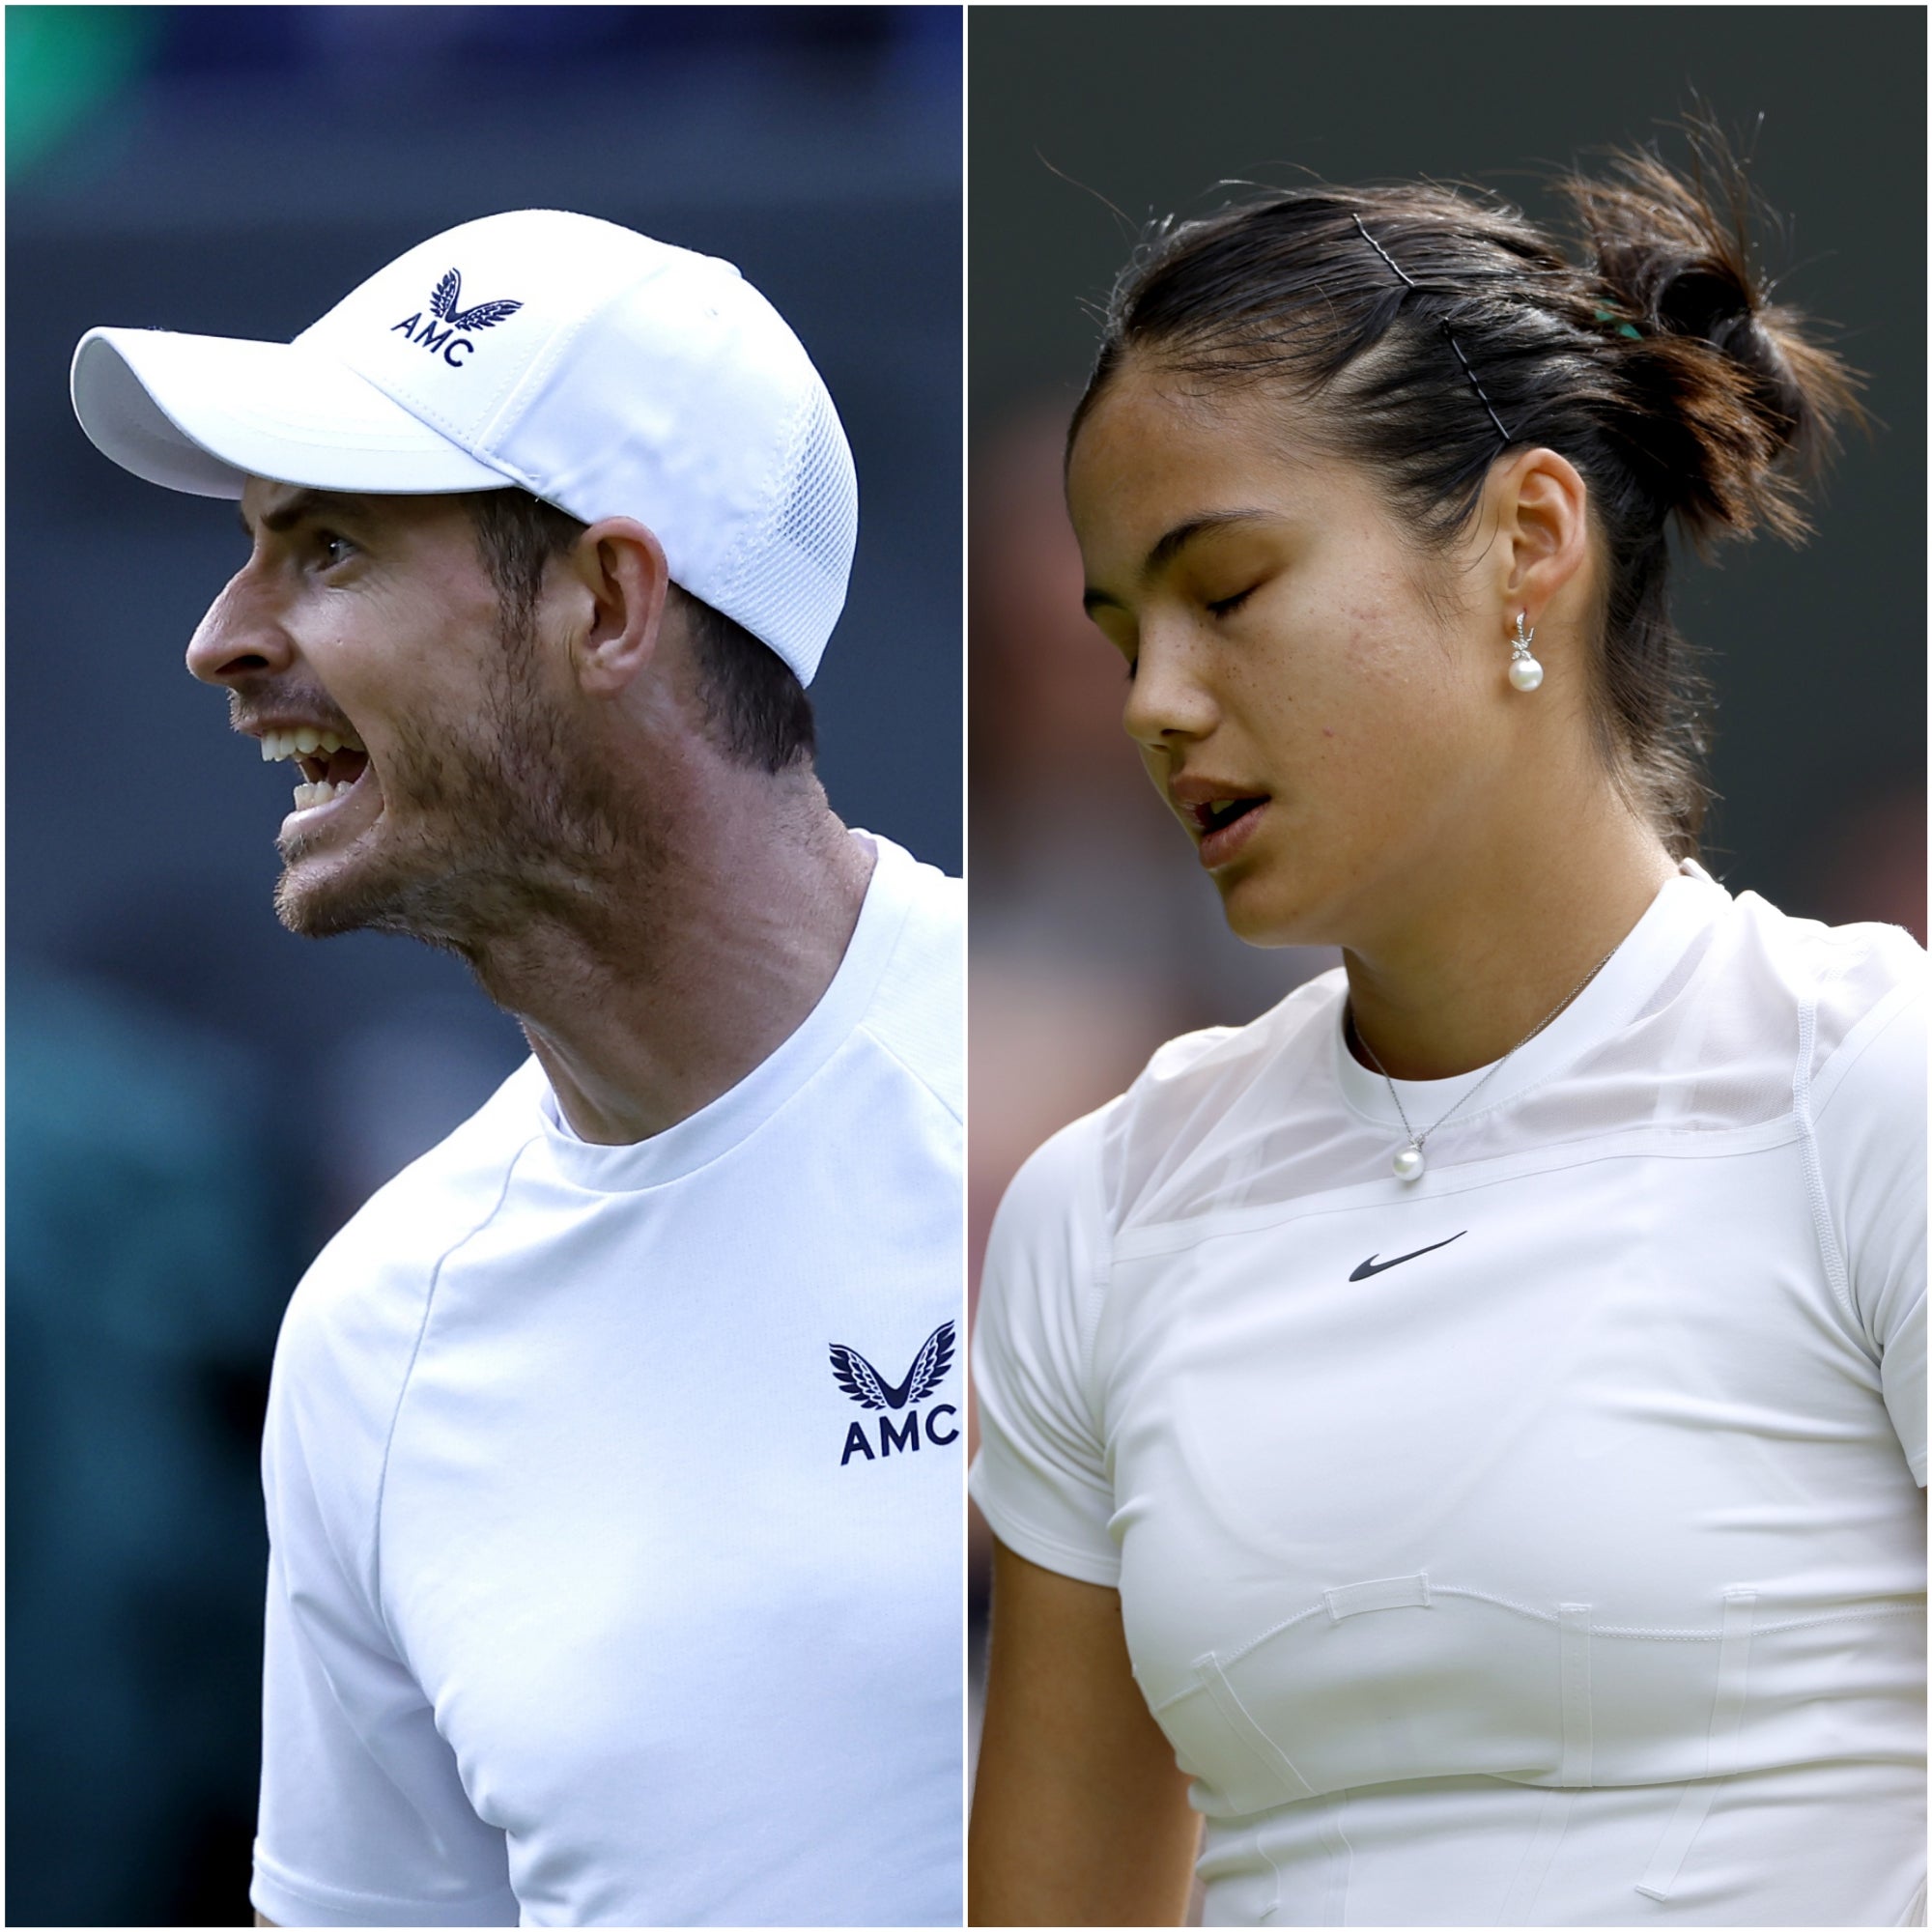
[486, 836]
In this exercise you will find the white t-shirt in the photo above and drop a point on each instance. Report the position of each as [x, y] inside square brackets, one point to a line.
[1536, 1542]
[607, 1587]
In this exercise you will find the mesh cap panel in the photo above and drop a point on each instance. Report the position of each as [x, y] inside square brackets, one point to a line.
[788, 576]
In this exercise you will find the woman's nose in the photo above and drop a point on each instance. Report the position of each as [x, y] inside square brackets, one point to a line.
[1168, 697]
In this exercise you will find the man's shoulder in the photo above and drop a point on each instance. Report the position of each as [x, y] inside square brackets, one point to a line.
[918, 1012]
[367, 1288]
[934, 901]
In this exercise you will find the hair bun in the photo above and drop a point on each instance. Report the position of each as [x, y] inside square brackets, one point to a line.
[1701, 300]
[1714, 307]
[1727, 384]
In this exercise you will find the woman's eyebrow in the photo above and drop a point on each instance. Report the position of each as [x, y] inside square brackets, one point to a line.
[1170, 546]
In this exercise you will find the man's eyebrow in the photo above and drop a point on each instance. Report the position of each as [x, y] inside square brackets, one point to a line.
[305, 503]
[1174, 543]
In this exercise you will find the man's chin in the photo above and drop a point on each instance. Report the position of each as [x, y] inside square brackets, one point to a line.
[321, 909]
[442, 903]
[319, 898]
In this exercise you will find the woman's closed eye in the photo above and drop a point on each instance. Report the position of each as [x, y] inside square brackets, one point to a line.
[1221, 606]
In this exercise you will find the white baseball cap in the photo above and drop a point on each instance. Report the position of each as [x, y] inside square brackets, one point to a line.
[607, 373]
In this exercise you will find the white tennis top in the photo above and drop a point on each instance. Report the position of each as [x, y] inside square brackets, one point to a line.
[598, 1594]
[1536, 1543]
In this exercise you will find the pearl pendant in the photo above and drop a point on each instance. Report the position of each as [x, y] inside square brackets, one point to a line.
[1407, 1162]
[1525, 674]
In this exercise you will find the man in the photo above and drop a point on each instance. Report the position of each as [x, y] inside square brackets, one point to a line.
[593, 1597]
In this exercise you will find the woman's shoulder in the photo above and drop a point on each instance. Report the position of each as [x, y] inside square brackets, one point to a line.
[1232, 1056]
[1813, 950]
[1202, 1093]
[1839, 984]
[1854, 999]
[1189, 1086]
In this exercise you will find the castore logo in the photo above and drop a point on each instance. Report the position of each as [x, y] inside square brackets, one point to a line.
[864, 1384]
[450, 338]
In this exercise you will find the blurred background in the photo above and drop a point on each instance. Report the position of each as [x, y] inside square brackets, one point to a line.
[1094, 937]
[196, 1099]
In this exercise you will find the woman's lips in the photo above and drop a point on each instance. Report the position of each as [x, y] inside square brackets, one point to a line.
[1225, 840]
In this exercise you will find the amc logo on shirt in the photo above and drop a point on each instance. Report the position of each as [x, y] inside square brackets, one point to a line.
[864, 1384]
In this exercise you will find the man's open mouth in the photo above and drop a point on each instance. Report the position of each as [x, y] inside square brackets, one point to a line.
[331, 762]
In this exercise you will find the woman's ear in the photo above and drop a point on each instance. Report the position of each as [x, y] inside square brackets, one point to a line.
[1541, 506]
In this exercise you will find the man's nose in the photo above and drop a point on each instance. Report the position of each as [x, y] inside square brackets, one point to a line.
[240, 638]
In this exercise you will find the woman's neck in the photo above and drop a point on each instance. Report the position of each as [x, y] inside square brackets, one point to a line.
[1481, 962]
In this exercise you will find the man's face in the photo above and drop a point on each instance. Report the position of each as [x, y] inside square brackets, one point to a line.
[454, 808]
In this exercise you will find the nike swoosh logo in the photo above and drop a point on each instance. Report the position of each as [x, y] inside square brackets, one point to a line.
[1373, 1266]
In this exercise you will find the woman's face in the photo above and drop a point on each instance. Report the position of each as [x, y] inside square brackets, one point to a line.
[1331, 745]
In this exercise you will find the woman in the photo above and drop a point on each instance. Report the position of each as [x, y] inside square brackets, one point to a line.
[1465, 1422]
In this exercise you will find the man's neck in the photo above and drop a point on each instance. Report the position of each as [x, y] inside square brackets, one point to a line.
[669, 993]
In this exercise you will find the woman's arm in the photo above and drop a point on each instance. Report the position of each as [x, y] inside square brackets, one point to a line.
[1080, 1815]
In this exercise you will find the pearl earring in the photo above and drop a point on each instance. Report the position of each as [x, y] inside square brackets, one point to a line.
[1525, 674]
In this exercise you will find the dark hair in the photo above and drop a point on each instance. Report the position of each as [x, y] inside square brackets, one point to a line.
[1659, 368]
[753, 699]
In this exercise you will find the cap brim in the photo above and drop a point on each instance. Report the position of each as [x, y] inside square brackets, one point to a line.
[205, 412]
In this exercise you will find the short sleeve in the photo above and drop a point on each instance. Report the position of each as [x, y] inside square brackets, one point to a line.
[1040, 1475]
[365, 1820]
[1870, 1124]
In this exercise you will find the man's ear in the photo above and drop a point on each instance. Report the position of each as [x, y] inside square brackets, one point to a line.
[622, 565]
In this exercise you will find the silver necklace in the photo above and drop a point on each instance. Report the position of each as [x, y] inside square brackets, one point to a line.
[1408, 1162]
